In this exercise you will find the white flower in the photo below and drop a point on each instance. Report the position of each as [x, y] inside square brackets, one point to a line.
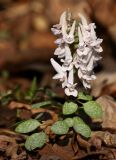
[61, 75]
[84, 75]
[86, 84]
[67, 61]
[70, 89]
[81, 41]
[56, 29]
[87, 51]
[67, 37]
[63, 51]
[85, 56]
[61, 29]
[88, 34]
[60, 52]
[59, 41]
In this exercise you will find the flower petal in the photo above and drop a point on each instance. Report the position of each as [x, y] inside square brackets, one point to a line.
[56, 66]
[71, 77]
[83, 20]
[59, 51]
[86, 84]
[81, 42]
[72, 30]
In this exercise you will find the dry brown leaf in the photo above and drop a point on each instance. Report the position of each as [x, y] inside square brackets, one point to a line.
[50, 152]
[97, 142]
[50, 157]
[111, 155]
[62, 152]
[24, 114]
[52, 113]
[108, 138]
[10, 147]
[109, 112]
[17, 105]
[47, 149]
[75, 147]
[83, 143]
[47, 123]
[47, 153]
[104, 84]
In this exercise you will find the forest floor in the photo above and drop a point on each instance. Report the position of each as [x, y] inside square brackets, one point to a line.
[16, 105]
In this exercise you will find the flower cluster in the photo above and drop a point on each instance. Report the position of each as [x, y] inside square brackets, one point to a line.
[81, 58]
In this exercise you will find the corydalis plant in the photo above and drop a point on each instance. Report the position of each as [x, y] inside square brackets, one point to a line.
[78, 50]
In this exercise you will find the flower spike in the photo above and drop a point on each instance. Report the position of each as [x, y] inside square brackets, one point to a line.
[78, 60]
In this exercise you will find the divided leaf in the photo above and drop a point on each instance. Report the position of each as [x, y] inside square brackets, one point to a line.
[85, 97]
[93, 109]
[81, 128]
[60, 127]
[69, 108]
[30, 95]
[41, 104]
[27, 126]
[36, 140]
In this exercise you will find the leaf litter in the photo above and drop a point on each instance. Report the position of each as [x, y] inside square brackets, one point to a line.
[15, 106]
[100, 145]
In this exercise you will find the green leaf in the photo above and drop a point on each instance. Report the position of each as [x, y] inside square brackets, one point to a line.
[69, 108]
[27, 126]
[32, 91]
[81, 128]
[93, 109]
[36, 140]
[82, 96]
[33, 85]
[60, 127]
[41, 104]
[69, 122]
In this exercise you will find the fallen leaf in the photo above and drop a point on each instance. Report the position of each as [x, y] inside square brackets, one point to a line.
[62, 152]
[109, 139]
[104, 84]
[83, 143]
[10, 147]
[109, 112]
[17, 105]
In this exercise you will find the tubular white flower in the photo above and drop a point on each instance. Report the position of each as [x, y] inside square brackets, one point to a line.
[56, 31]
[70, 89]
[61, 74]
[68, 38]
[67, 62]
[83, 21]
[60, 52]
[59, 41]
[87, 52]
